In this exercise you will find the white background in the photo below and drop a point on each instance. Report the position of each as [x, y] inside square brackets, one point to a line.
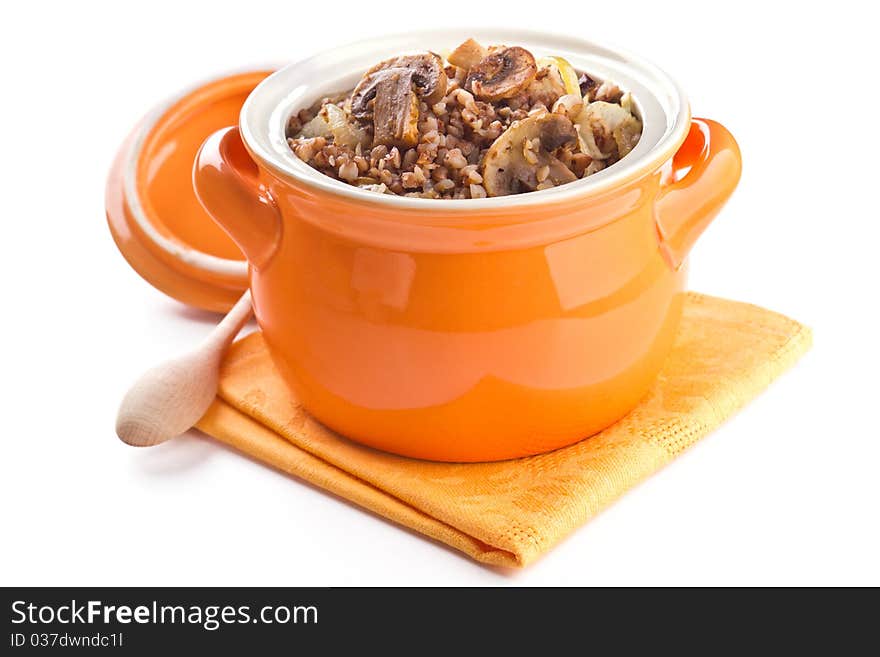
[784, 493]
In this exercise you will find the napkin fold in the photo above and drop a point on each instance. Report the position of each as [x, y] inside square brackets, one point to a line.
[509, 513]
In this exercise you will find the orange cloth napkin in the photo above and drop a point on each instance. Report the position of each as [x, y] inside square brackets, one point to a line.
[511, 512]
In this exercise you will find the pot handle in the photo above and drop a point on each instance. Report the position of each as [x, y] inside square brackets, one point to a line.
[227, 183]
[688, 205]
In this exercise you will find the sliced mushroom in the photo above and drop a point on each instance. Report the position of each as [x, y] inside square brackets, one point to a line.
[512, 164]
[396, 110]
[467, 55]
[427, 75]
[502, 74]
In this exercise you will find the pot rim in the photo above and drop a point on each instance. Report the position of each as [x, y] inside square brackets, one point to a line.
[660, 100]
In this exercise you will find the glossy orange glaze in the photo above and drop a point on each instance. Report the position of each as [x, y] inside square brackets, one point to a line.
[170, 278]
[165, 166]
[163, 186]
[510, 333]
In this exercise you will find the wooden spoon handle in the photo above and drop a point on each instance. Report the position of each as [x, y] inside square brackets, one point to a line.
[170, 398]
[224, 333]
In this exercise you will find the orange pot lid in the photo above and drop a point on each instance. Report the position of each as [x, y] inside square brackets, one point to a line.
[153, 213]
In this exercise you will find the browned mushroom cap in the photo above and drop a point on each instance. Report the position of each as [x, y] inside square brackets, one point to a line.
[522, 159]
[502, 74]
[428, 78]
[396, 110]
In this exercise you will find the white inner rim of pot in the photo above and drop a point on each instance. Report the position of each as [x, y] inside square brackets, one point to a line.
[660, 104]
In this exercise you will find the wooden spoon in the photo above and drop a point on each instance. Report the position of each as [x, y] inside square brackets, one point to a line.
[169, 399]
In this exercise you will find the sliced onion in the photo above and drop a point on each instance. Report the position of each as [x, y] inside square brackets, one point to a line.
[609, 119]
[344, 132]
[565, 71]
[627, 135]
[586, 141]
[571, 104]
[317, 127]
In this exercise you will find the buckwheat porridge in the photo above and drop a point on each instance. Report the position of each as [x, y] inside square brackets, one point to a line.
[479, 122]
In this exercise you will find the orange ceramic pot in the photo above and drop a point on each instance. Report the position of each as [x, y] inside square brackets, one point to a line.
[478, 329]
